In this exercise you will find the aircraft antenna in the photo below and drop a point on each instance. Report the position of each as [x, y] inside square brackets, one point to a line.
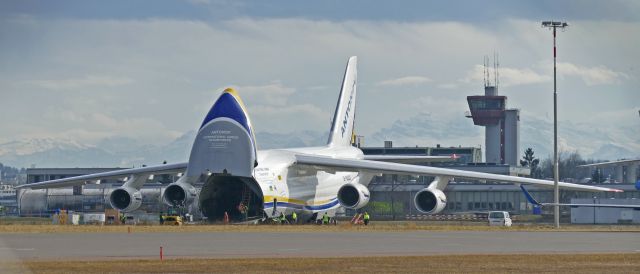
[495, 75]
[497, 71]
[487, 78]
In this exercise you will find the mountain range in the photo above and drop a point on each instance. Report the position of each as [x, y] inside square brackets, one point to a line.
[127, 152]
[603, 143]
[423, 129]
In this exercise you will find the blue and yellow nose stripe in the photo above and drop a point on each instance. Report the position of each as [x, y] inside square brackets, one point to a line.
[229, 105]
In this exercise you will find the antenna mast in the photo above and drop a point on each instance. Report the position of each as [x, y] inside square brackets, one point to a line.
[497, 71]
[495, 75]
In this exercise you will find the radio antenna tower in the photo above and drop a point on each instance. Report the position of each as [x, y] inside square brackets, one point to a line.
[496, 63]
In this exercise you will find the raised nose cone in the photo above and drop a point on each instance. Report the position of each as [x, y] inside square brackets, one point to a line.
[229, 105]
[225, 141]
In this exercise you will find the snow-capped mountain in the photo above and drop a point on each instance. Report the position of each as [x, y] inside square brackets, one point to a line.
[31, 146]
[52, 152]
[426, 130]
[127, 152]
[607, 143]
[423, 129]
[305, 138]
[591, 142]
[110, 152]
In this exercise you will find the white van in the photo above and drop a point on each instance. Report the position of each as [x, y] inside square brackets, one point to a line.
[499, 218]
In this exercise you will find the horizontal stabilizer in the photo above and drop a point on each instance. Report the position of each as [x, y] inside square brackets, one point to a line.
[536, 203]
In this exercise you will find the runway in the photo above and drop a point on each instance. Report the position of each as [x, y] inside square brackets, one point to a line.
[27, 246]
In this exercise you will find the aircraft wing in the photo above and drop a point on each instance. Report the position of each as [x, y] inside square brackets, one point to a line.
[409, 159]
[356, 165]
[85, 179]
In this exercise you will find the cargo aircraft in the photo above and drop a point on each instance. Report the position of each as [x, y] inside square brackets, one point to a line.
[225, 158]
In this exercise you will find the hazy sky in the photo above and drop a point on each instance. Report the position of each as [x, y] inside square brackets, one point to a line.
[85, 70]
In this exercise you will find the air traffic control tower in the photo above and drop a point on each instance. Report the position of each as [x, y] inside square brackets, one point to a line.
[502, 129]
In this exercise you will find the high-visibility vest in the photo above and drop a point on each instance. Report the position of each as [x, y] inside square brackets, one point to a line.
[325, 218]
[294, 216]
[366, 216]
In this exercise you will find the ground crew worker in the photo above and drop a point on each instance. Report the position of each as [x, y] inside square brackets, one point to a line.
[283, 219]
[366, 218]
[294, 218]
[243, 210]
[161, 219]
[325, 218]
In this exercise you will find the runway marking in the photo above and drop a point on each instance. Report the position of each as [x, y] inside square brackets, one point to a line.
[17, 249]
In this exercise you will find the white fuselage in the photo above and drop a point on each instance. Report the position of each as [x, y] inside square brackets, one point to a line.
[302, 188]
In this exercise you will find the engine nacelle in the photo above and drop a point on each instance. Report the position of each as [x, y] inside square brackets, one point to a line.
[179, 194]
[353, 196]
[125, 199]
[430, 201]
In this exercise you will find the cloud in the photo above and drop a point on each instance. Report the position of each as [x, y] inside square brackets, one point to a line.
[508, 76]
[288, 117]
[82, 82]
[439, 106]
[404, 81]
[599, 75]
[90, 126]
[291, 110]
[448, 86]
[199, 2]
[272, 94]
[628, 116]
[178, 63]
[269, 104]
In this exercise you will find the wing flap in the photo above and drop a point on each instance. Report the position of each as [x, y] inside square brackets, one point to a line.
[84, 179]
[409, 159]
[356, 165]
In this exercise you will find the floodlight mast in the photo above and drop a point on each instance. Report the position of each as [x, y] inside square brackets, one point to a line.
[556, 192]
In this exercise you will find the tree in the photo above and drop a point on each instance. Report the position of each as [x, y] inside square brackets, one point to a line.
[597, 177]
[528, 160]
[568, 166]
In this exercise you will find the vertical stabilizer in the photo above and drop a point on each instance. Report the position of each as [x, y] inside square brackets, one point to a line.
[343, 119]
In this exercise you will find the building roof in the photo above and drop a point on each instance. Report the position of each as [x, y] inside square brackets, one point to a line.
[613, 163]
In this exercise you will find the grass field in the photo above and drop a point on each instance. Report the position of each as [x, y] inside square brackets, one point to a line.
[375, 226]
[523, 263]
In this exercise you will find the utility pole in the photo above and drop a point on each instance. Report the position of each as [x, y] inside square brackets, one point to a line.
[556, 192]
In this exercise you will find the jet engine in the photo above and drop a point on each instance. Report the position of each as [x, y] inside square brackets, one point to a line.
[125, 199]
[353, 196]
[179, 194]
[430, 201]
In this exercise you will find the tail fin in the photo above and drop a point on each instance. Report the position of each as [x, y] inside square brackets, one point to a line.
[529, 197]
[343, 119]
